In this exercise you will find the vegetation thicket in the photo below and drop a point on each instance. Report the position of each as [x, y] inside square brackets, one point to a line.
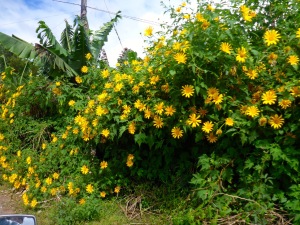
[212, 107]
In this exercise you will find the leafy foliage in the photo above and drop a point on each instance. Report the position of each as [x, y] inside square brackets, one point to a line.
[214, 101]
[66, 56]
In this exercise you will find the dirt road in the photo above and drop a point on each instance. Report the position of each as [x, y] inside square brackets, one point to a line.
[9, 201]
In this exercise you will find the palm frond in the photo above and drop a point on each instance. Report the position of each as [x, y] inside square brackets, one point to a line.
[18, 46]
[55, 62]
[100, 36]
[67, 36]
[48, 40]
[81, 45]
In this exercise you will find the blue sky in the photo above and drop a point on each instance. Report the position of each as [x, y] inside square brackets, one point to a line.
[34, 4]
[20, 17]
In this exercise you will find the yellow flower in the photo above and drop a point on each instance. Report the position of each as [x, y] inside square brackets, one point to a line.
[252, 111]
[276, 121]
[102, 194]
[56, 91]
[154, 79]
[180, 58]
[262, 121]
[84, 69]
[105, 132]
[91, 103]
[148, 32]
[129, 163]
[82, 201]
[295, 91]
[84, 169]
[271, 37]
[57, 84]
[211, 92]
[241, 54]
[53, 191]
[169, 110]
[298, 33]
[30, 170]
[252, 74]
[49, 180]
[55, 176]
[71, 103]
[269, 97]
[88, 56]
[272, 57]
[33, 203]
[158, 122]
[89, 188]
[200, 17]
[78, 79]
[229, 121]
[285, 103]
[205, 24]
[226, 47]
[210, 8]
[187, 91]
[75, 131]
[131, 128]
[28, 160]
[130, 157]
[219, 132]
[217, 99]
[244, 9]
[103, 165]
[177, 132]
[100, 111]
[193, 120]
[207, 126]
[147, 113]
[117, 189]
[293, 60]
[211, 138]
[159, 108]
[187, 16]
[105, 73]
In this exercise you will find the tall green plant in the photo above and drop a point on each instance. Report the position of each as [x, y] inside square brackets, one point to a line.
[68, 55]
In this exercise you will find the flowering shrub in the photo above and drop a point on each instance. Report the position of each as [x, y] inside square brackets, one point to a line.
[219, 85]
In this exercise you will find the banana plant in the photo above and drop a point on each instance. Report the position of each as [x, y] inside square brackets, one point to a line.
[64, 56]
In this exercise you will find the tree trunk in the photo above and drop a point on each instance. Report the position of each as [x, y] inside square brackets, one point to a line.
[83, 14]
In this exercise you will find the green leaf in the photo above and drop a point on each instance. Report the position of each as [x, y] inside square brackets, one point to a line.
[248, 164]
[199, 137]
[172, 72]
[121, 130]
[197, 90]
[99, 37]
[244, 138]
[17, 46]
[140, 138]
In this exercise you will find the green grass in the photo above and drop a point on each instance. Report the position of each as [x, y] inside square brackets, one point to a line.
[109, 213]
[146, 205]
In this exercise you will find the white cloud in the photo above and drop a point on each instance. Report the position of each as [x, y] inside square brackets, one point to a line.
[21, 19]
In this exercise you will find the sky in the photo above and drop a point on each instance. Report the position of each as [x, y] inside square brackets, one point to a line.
[20, 17]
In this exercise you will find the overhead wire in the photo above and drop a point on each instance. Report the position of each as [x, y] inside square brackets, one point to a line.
[114, 26]
[125, 16]
[24, 21]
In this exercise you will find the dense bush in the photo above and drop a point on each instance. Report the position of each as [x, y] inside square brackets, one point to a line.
[215, 101]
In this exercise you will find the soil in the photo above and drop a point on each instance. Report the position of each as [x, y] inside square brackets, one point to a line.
[10, 201]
